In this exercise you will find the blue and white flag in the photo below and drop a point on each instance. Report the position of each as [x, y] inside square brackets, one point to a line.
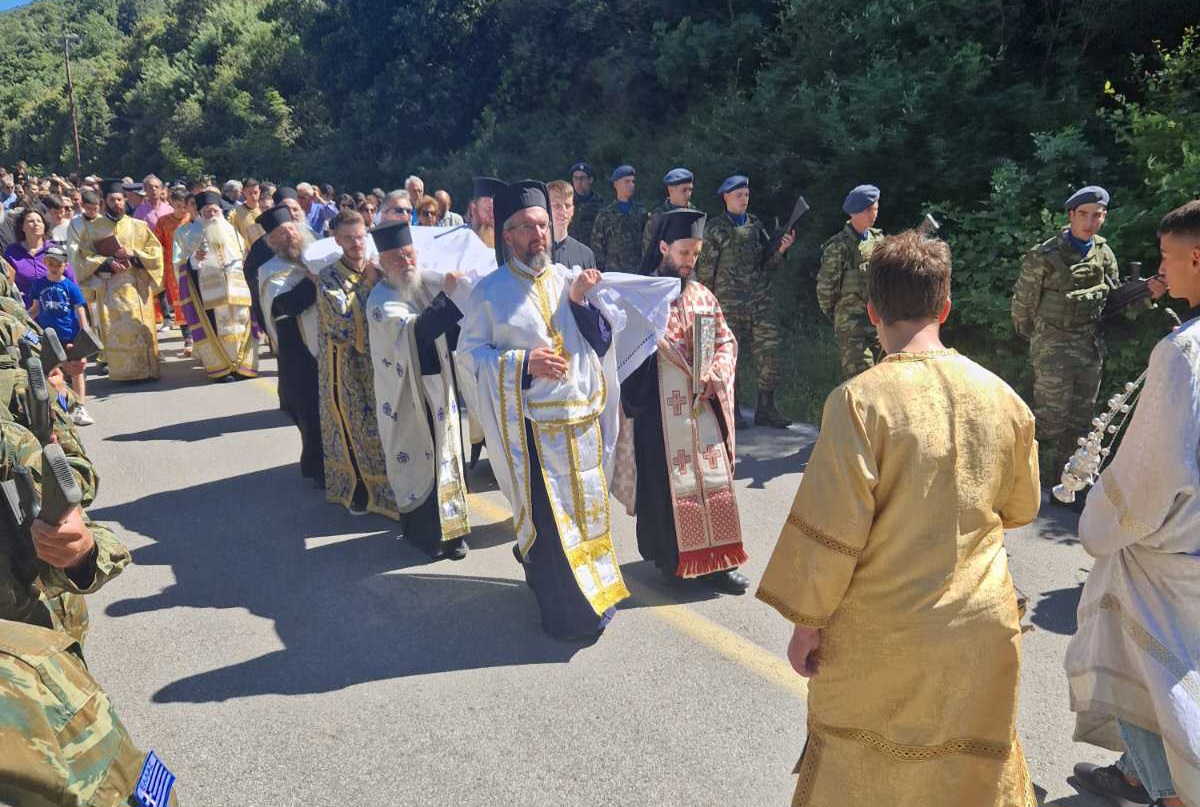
[155, 783]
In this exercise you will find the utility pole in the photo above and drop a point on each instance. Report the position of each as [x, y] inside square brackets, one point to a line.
[67, 40]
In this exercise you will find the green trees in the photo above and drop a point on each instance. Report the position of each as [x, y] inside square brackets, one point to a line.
[989, 113]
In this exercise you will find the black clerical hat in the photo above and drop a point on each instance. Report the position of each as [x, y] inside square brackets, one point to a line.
[485, 187]
[512, 199]
[392, 235]
[272, 217]
[206, 198]
[108, 186]
[670, 227]
[285, 193]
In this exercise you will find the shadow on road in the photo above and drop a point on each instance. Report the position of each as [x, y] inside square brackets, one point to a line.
[1056, 611]
[766, 454]
[340, 610]
[197, 430]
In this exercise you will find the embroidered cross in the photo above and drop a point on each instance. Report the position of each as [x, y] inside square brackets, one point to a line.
[682, 460]
[677, 402]
[402, 457]
[712, 455]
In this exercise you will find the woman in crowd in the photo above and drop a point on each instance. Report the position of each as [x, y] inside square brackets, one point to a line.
[26, 253]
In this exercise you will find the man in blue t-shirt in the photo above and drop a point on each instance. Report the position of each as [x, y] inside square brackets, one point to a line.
[58, 304]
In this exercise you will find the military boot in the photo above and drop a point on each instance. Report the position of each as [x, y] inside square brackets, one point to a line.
[765, 414]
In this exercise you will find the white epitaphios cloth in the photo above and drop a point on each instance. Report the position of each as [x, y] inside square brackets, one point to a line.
[276, 277]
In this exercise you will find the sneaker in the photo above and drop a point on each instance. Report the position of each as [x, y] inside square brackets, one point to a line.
[81, 417]
[163, 327]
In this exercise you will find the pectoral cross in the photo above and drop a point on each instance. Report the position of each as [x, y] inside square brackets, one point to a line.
[682, 459]
[712, 455]
[677, 402]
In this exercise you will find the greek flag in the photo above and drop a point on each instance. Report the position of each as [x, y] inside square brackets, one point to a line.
[154, 785]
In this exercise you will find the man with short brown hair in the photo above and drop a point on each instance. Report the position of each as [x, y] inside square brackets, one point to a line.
[566, 250]
[891, 565]
[355, 471]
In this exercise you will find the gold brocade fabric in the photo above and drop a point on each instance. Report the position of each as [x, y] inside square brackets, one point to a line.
[894, 549]
[124, 301]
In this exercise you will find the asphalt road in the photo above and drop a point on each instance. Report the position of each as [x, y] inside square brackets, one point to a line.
[275, 650]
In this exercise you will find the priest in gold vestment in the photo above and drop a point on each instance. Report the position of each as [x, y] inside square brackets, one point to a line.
[891, 564]
[121, 265]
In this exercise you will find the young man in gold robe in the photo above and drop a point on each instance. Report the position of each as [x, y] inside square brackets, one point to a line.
[121, 263]
[892, 566]
[355, 470]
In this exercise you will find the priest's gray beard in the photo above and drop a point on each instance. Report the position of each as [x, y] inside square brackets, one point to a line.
[411, 290]
[668, 269]
[537, 261]
[289, 252]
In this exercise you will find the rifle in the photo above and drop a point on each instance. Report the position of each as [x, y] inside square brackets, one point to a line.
[37, 402]
[1127, 294]
[929, 226]
[20, 504]
[86, 345]
[798, 211]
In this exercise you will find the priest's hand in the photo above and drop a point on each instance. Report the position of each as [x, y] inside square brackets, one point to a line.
[200, 255]
[544, 362]
[585, 282]
[710, 388]
[450, 283]
[118, 266]
[804, 651]
[63, 546]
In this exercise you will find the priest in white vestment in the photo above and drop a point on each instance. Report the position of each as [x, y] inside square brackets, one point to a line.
[1132, 665]
[548, 401]
[416, 396]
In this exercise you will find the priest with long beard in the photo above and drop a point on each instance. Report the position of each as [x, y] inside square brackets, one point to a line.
[120, 262]
[288, 293]
[216, 299]
[548, 399]
[675, 457]
[416, 396]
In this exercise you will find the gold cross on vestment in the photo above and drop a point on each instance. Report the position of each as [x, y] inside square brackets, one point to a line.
[682, 459]
[677, 402]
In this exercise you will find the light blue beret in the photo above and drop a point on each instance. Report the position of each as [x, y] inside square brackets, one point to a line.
[860, 199]
[622, 172]
[732, 184]
[678, 176]
[1088, 195]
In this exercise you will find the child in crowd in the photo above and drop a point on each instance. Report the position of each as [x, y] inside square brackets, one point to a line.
[58, 304]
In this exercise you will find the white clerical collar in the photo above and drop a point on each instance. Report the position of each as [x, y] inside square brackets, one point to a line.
[522, 269]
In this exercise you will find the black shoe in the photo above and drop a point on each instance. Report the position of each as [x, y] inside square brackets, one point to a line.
[454, 550]
[517, 555]
[765, 414]
[476, 450]
[1109, 782]
[730, 581]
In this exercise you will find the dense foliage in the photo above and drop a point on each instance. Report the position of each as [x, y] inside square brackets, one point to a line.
[986, 112]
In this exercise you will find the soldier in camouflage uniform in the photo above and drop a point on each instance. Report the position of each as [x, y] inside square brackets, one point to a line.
[679, 183]
[62, 742]
[1059, 296]
[70, 560]
[587, 204]
[735, 265]
[842, 280]
[617, 233]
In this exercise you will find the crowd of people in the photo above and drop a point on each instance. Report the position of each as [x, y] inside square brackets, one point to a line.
[592, 349]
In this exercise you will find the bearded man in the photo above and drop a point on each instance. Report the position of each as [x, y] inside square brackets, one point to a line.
[355, 470]
[288, 293]
[548, 405]
[416, 396]
[121, 263]
[675, 462]
[216, 299]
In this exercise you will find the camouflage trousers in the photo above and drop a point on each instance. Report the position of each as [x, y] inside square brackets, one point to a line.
[1066, 379]
[755, 325]
[856, 341]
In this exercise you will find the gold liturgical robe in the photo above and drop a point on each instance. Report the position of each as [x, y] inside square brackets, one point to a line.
[894, 549]
[124, 300]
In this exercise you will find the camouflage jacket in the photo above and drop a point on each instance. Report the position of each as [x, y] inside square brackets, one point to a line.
[842, 278]
[665, 207]
[63, 742]
[1059, 288]
[617, 239]
[14, 381]
[584, 218]
[733, 256]
[24, 579]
